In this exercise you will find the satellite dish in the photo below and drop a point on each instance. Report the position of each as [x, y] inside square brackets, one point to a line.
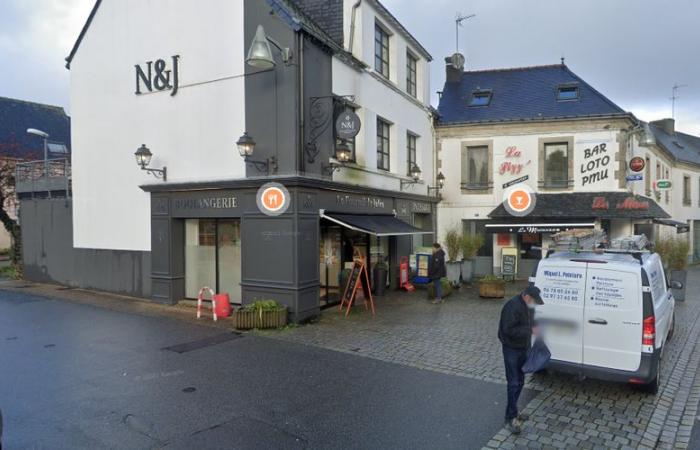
[458, 61]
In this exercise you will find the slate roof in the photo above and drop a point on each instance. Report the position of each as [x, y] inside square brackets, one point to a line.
[521, 94]
[18, 115]
[328, 14]
[578, 205]
[683, 147]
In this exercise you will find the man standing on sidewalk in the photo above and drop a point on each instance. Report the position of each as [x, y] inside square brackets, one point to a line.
[437, 271]
[515, 332]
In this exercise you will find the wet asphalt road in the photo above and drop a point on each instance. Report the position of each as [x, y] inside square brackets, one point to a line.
[76, 376]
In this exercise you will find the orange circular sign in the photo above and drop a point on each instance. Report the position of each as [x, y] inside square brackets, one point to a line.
[273, 199]
[519, 200]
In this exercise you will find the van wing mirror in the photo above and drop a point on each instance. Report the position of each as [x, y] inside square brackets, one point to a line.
[676, 285]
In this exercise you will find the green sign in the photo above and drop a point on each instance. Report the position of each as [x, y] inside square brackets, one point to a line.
[663, 185]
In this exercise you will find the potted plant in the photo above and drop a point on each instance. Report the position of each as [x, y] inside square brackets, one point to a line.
[446, 288]
[379, 277]
[492, 286]
[471, 244]
[453, 245]
[260, 314]
[674, 255]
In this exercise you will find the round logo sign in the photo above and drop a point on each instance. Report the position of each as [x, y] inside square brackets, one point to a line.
[519, 200]
[348, 124]
[637, 164]
[273, 199]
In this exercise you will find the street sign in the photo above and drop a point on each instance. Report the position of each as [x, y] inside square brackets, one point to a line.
[635, 177]
[637, 164]
[663, 185]
[516, 181]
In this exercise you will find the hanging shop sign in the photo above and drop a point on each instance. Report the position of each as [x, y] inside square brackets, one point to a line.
[663, 185]
[635, 177]
[519, 200]
[516, 181]
[637, 164]
[348, 125]
[157, 75]
[273, 199]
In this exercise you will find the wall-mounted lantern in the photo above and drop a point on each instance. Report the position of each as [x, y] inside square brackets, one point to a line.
[440, 179]
[415, 174]
[143, 159]
[246, 147]
[343, 154]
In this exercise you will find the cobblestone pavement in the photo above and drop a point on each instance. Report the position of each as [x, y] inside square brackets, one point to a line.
[459, 338]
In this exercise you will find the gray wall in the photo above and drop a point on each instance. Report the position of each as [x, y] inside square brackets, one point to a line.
[49, 256]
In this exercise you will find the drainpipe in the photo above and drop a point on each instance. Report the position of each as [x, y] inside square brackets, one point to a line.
[352, 25]
[301, 165]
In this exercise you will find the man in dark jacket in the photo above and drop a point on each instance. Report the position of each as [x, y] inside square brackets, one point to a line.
[515, 332]
[437, 271]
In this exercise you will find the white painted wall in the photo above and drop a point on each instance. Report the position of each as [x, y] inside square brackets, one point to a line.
[387, 99]
[192, 133]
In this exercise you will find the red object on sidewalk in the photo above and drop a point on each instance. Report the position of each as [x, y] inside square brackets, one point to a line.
[222, 305]
[403, 275]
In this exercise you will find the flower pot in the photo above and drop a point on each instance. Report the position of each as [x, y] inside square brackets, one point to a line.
[454, 272]
[492, 289]
[467, 269]
[680, 276]
[247, 319]
[379, 279]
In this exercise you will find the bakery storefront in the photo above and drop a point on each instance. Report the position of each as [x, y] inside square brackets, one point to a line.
[618, 213]
[286, 239]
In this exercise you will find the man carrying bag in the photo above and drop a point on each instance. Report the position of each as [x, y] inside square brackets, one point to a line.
[515, 331]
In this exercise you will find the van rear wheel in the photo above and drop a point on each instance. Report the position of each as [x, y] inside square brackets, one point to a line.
[653, 386]
[673, 327]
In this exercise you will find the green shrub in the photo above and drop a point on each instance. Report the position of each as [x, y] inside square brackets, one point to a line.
[491, 279]
[446, 288]
[9, 272]
[262, 305]
[453, 243]
[471, 244]
[673, 252]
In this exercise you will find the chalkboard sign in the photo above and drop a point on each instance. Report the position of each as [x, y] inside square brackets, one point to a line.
[358, 279]
[509, 262]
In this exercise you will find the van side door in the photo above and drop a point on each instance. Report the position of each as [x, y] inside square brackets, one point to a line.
[612, 325]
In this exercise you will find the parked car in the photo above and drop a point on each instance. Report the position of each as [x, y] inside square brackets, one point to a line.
[606, 315]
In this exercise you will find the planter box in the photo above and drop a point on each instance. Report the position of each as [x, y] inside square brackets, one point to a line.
[446, 288]
[249, 319]
[454, 272]
[468, 270]
[492, 289]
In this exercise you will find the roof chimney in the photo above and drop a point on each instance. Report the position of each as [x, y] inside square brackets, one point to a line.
[668, 125]
[454, 66]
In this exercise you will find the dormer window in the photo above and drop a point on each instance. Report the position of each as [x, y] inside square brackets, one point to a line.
[480, 98]
[567, 92]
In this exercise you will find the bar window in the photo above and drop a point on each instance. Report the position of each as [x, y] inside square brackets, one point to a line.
[556, 165]
[383, 129]
[411, 74]
[381, 50]
[686, 191]
[475, 167]
[411, 140]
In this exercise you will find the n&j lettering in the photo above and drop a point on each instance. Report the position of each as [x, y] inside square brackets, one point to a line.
[156, 75]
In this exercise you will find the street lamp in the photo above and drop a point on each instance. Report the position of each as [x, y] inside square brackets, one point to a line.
[415, 174]
[45, 136]
[440, 179]
[246, 147]
[260, 53]
[343, 155]
[143, 159]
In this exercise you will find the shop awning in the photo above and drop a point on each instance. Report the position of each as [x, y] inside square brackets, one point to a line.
[535, 227]
[681, 227]
[376, 224]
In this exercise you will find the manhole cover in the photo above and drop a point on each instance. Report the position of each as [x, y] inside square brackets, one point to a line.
[188, 390]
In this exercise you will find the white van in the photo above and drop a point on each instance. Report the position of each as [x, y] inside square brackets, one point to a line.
[606, 315]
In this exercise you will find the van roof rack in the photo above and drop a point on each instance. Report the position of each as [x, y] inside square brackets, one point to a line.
[636, 254]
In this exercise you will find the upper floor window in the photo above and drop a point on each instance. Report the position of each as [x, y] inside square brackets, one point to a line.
[475, 167]
[556, 165]
[411, 74]
[686, 190]
[480, 98]
[383, 129]
[411, 141]
[381, 50]
[567, 92]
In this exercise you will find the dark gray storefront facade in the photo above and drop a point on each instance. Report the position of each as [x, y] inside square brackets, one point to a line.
[279, 254]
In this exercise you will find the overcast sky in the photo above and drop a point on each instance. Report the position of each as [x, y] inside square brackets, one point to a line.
[633, 51]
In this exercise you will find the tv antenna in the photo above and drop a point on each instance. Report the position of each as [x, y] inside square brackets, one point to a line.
[674, 97]
[458, 23]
